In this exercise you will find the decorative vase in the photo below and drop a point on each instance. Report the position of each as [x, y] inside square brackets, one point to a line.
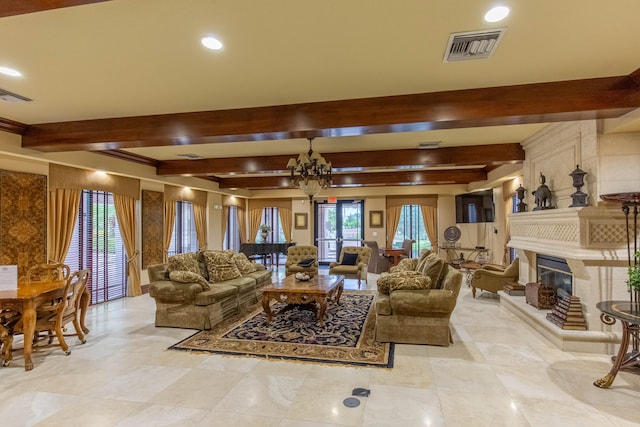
[264, 235]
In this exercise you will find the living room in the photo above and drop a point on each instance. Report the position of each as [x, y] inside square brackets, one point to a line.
[491, 341]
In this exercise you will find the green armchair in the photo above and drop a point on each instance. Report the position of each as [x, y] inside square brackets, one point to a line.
[492, 278]
[356, 271]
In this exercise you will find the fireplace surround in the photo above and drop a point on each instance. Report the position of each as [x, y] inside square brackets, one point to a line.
[592, 241]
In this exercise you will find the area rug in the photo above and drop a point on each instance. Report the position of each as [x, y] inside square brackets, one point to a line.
[347, 337]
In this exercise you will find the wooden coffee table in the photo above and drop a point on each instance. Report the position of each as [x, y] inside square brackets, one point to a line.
[319, 290]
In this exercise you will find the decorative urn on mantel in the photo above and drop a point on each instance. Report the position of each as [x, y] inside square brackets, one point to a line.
[578, 198]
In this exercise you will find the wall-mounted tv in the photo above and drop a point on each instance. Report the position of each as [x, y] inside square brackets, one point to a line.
[475, 207]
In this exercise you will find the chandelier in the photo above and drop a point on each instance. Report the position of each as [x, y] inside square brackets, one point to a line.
[310, 172]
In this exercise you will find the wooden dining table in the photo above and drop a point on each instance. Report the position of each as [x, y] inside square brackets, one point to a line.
[395, 254]
[26, 299]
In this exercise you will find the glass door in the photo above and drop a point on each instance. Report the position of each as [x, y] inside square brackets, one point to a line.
[336, 225]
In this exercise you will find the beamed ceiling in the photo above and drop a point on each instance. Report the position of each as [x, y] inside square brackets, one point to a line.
[366, 81]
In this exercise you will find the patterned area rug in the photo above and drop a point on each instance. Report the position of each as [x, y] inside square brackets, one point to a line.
[347, 336]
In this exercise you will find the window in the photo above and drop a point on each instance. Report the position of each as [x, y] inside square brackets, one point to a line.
[411, 226]
[96, 245]
[271, 216]
[232, 234]
[183, 237]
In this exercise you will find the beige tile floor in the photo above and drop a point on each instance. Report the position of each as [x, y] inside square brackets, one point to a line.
[498, 372]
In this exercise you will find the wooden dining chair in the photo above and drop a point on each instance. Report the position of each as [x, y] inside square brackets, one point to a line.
[48, 271]
[55, 318]
[8, 319]
[52, 318]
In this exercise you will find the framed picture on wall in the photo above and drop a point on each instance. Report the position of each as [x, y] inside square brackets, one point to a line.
[375, 219]
[300, 221]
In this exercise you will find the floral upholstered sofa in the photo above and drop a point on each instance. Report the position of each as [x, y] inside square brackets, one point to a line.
[197, 290]
[415, 301]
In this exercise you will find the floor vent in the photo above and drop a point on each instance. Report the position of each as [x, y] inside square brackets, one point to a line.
[472, 45]
[7, 96]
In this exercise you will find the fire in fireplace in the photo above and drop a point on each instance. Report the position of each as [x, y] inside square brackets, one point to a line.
[554, 271]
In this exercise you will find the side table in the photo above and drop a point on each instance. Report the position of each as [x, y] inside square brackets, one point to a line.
[628, 313]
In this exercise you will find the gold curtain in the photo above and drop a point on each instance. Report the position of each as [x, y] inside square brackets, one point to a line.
[430, 218]
[62, 216]
[242, 224]
[200, 219]
[169, 218]
[286, 218]
[255, 215]
[126, 215]
[82, 179]
[393, 219]
[225, 215]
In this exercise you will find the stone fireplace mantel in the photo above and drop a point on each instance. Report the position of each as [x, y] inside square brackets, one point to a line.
[593, 241]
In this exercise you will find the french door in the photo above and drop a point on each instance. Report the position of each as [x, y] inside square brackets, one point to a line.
[336, 225]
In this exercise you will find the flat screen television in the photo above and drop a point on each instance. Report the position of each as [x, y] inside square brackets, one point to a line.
[475, 207]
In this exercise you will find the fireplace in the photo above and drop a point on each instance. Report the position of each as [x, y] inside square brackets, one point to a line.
[555, 272]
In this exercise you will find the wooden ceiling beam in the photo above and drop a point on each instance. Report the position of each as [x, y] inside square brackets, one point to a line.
[21, 7]
[604, 97]
[12, 127]
[462, 176]
[495, 154]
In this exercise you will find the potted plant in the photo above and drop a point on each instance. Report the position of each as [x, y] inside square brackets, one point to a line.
[264, 231]
[634, 274]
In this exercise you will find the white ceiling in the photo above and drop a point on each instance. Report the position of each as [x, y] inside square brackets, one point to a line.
[141, 57]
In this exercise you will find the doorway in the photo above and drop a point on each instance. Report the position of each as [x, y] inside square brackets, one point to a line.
[336, 225]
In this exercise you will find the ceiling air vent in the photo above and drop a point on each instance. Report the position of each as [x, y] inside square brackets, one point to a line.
[7, 96]
[472, 44]
[190, 156]
[429, 145]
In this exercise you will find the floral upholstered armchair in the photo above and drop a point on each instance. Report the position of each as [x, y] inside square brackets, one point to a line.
[297, 255]
[353, 262]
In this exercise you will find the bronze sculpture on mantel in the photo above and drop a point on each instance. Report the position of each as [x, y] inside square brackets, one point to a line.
[628, 312]
[543, 195]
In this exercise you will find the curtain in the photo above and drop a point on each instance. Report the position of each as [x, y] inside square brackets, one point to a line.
[393, 219]
[242, 224]
[62, 216]
[430, 218]
[169, 218]
[255, 215]
[286, 218]
[225, 215]
[126, 214]
[200, 219]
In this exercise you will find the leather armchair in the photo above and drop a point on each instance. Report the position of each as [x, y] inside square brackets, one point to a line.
[358, 271]
[295, 254]
[378, 263]
[491, 278]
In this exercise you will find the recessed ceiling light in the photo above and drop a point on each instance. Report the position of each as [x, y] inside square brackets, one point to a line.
[211, 43]
[496, 14]
[10, 72]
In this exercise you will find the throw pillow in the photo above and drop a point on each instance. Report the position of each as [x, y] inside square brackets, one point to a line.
[184, 262]
[405, 264]
[349, 259]
[308, 262]
[433, 267]
[244, 265]
[189, 277]
[422, 259]
[402, 280]
[221, 267]
[411, 282]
